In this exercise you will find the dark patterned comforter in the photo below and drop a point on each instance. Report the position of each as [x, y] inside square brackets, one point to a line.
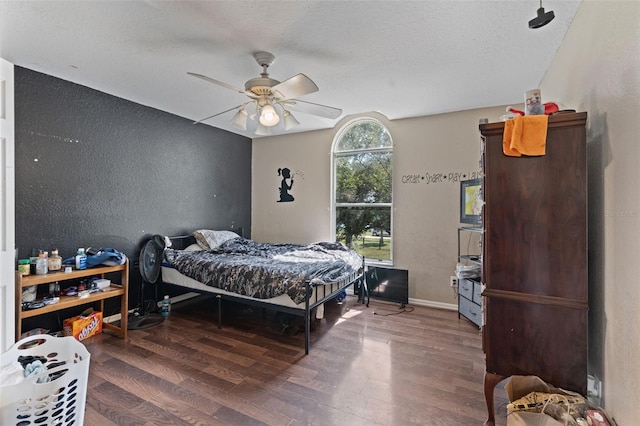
[264, 271]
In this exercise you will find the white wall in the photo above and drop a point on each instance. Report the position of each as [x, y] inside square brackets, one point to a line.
[7, 213]
[440, 148]
[597, 69]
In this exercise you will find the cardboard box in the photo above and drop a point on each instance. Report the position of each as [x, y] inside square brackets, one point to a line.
[519, 386]
[83, 327]
[525, 418]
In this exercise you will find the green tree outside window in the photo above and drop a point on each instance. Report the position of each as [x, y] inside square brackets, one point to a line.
[363, 156]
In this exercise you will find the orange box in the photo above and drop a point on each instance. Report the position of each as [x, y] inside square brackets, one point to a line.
[83, 328]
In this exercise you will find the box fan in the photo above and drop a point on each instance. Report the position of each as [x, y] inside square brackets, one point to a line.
[150, 264]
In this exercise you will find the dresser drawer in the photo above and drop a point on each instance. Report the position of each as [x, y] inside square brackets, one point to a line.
[477, 292]
[465, 288]
[471, 311]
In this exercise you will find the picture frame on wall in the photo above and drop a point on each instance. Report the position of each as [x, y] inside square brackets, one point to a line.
[471, 201]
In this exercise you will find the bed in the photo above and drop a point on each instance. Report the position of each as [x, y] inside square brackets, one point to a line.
[289, 278]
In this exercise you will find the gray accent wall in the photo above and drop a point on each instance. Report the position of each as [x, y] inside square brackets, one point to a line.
[95, 170]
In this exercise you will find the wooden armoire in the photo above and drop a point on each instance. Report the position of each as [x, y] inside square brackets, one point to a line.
[534, 266]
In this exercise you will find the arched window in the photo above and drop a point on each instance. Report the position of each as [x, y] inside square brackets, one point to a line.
[362, 188]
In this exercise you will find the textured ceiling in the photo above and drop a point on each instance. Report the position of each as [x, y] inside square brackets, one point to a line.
[402, 59]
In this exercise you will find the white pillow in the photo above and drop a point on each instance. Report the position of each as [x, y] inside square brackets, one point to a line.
[209, 239]
[193, 247]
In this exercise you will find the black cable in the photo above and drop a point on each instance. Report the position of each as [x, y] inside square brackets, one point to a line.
[404, 309]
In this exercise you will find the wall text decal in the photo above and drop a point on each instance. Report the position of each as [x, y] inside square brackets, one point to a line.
[435, 177]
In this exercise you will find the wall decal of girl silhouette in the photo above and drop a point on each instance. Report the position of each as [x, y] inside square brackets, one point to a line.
[284, 186]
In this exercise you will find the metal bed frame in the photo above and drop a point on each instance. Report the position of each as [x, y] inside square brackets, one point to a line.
[323, 293]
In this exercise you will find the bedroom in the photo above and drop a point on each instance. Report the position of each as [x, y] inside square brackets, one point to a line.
[149, 188]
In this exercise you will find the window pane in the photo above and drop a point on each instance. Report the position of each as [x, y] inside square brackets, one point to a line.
[365, 229]
[363, 178]
[364, 135]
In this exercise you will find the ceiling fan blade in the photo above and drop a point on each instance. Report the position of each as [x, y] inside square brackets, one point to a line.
[296, 86]
[314, 109]
[220, 113]
[220, 83]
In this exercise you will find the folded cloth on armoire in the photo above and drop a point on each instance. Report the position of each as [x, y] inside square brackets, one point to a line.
[525, 135]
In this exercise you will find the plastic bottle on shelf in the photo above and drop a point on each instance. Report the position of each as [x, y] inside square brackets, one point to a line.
[33, 260]
[81, 259]
[55, 261]
[165, 306]
[41, 264]
[23, 267]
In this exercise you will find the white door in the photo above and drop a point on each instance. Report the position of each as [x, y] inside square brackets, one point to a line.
[7, 212]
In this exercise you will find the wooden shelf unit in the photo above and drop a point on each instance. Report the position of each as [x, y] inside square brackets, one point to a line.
[114, 290]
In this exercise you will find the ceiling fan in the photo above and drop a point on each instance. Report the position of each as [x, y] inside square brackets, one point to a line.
[272, 99]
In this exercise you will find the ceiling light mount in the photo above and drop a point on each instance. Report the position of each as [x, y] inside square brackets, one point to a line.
[542, 18]
[264, 59]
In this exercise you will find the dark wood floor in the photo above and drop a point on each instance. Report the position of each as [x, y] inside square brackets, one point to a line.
[367, 366]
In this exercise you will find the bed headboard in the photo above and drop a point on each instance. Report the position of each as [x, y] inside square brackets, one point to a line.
[181, 242]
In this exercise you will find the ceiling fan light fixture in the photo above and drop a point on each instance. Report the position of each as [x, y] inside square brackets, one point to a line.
[268, 116]
[289, 120]
[263, 130]
[265, 93]
[239, 121]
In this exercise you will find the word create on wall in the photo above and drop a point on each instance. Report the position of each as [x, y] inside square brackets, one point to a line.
[432, 178]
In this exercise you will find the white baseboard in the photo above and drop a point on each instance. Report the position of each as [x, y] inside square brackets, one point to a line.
[180, 298]
[427, 303]
[174, 299]
[432, 304]
[115, 317]
[421, 302]
[190, 295]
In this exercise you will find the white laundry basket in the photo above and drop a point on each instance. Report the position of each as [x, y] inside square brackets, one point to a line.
[61, 400]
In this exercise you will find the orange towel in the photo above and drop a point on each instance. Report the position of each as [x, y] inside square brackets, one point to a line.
[525, 135]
